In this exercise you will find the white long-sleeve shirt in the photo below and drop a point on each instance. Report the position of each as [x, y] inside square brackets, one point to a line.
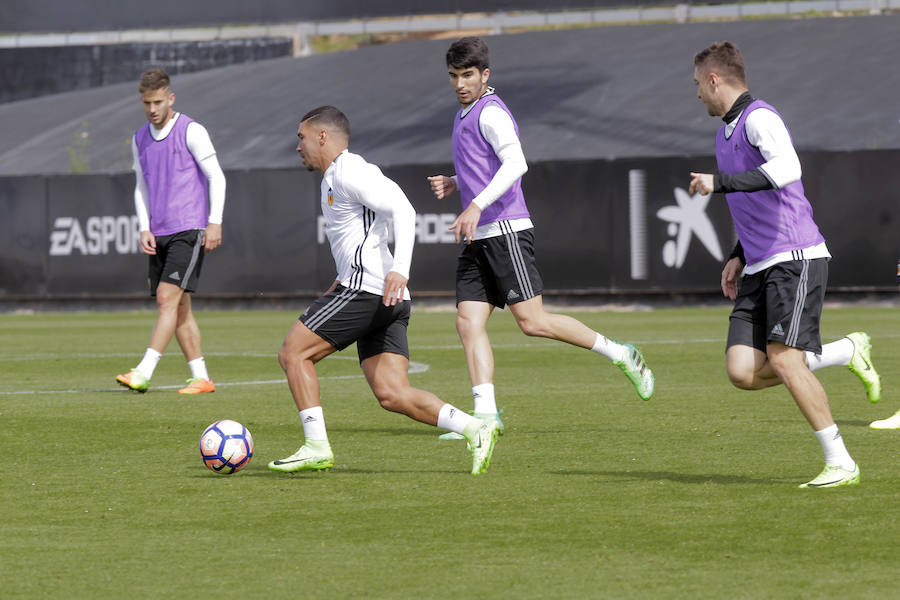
[767, 131]
[358, 203]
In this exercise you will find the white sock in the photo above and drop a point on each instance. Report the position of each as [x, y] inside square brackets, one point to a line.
[149, 362]
[834, 449]
[313, 424]
[454, 419]
[609, 348]
[198, 368]
[483, 395]
[836, 353]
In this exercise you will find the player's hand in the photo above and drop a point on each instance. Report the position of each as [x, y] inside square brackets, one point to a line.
[212, 237]
[148, 243]
[442, 186]
[702, 183]
[730, 274]
[394, 286]
[466, 223]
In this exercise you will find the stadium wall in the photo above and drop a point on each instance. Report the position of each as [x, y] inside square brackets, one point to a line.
[603, 227]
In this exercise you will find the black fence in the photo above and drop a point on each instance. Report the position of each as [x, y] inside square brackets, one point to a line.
[601, 226]
[31, 72]
[98, 15]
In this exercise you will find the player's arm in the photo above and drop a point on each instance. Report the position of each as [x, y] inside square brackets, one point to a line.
[747, 181]
[498, 129]
[201, 147]
[141, 195]
[767, 131]
[442, 186]
[732, 271]
[385, 197]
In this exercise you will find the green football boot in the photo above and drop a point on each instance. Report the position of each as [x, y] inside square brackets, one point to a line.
[636, 369]
[861, 364]
[312, 456]
[834, 476]
[481, 443]
[892, 422]
[452, 435]
[134, 380]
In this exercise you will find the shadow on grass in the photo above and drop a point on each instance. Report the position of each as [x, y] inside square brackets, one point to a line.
[341, 471]
[857, 423]
[693, 478]
[423, 430]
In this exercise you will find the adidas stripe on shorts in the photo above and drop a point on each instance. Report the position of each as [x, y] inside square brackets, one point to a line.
[781, 304]
[500, 270]
[343, 316]
[177, 260]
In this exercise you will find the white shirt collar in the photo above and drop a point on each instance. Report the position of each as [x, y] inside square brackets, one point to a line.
[159, 134]
[466, 110]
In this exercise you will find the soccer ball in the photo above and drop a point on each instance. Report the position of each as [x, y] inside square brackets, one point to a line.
[226, 447]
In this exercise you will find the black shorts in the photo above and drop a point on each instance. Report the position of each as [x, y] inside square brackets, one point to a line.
[500, 270]
[781, 304]
[178, 260]
[344, 316]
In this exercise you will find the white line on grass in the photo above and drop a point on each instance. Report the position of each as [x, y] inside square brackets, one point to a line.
[273, 355]
[414, 367]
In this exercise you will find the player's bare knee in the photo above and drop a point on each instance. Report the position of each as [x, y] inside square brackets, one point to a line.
[289, 357]
[465, 326]
[167, 299]
[742, 381]
[533, 328]
[741, 377]
[390, 397]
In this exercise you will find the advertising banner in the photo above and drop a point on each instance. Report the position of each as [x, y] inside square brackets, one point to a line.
[23, 245]
[600, 226]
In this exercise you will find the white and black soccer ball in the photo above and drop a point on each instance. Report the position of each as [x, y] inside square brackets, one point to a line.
[226, 447]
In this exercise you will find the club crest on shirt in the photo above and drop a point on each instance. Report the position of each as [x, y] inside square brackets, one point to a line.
[330, 197]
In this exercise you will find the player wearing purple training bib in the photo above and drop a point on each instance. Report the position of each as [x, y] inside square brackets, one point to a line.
[179, 197]
[496, 266]
[773, 336]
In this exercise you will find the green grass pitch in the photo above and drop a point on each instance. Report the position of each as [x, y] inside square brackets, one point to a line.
[592, 493]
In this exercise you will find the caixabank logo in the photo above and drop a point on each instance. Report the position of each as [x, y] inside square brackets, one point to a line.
[94, 236]
[687, 219]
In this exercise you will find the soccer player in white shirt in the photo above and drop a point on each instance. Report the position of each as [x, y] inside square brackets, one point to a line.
[368, 303]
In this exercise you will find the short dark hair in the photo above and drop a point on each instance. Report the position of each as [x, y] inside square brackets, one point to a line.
[154, 79]
[468, 52]
[725, 59]
[329, 116]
